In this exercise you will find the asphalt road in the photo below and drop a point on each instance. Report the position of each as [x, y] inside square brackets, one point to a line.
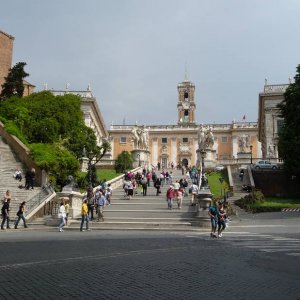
[251, 261]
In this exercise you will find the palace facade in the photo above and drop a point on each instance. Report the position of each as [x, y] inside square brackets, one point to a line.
[179, 143]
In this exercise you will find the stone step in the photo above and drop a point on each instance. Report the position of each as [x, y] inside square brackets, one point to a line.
[156, 213]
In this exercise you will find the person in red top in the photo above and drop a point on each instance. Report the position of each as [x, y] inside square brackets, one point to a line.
[170, 196]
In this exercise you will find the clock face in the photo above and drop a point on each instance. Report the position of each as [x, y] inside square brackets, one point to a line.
[185, 105]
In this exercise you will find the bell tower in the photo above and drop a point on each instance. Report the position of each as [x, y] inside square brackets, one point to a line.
[186, 105]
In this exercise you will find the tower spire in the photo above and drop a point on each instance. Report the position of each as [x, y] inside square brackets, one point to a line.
[185, 73]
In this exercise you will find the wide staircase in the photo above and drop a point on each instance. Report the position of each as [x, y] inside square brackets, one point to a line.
[9, 163]
[144, 212]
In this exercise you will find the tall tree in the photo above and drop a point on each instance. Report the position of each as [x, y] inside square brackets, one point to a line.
[289, 135]
[13, 85]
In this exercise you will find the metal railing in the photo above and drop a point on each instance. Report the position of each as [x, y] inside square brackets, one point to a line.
[36, 202]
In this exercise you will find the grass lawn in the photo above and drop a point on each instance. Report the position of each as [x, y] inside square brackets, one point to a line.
[215, 185]
[107, 174]
[279, 203]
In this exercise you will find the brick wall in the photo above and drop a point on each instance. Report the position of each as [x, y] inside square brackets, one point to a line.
[6, 52]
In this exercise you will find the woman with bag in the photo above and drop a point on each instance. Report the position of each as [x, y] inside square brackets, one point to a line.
[20, 215]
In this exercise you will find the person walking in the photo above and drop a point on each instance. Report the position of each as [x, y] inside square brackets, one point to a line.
[144, 185]
[129, 189]
[100, 206]
[67, 209]
[194, 190]
[221, 219]
[20, 215]
[61, 216]
[90, 201]
[241, 175]
[170, 196]
[179, 196]
[157, 186]
[7, 195]
[5, 214]
[84, 216]
[213, 213]
[108, 194]
[32, 178]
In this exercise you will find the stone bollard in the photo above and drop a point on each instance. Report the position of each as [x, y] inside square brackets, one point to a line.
[204, 199]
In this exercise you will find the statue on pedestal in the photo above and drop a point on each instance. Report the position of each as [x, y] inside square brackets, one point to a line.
[244, 143]
[140, 138]
[136, 139]
[144, 138]
[205, 138]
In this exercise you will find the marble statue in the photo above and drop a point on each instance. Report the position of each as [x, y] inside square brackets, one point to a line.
[136, 137]
[205, 138]
[201, 138]
[244, 143]
[145, 138]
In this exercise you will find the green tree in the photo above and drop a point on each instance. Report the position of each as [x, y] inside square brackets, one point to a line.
[289, 135]
[13, 84]
[123, 162]
[95, 156]
[57, 123]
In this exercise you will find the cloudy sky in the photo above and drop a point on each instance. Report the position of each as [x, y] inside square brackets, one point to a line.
[134, 52]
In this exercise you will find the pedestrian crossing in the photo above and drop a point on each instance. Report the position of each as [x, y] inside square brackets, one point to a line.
[260, 242]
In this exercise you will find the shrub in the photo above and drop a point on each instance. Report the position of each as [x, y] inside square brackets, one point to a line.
[248, 202]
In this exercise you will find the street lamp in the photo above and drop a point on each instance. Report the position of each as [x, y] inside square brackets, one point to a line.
[203, 179]
[221, 181]
[91, 156]
[251, 154]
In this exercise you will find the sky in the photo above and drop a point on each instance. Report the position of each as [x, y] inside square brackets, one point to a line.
[133, 53]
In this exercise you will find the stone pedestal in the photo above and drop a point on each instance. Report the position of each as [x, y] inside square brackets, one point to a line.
[204, 199]
[244, 157]
[140, 158]
[75, 201]
[84, 164]
[209, 160]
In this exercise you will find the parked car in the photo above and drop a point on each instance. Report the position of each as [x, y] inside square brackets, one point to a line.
[220, 167]
[265, 164]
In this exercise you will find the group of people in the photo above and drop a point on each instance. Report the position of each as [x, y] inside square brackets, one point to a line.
[29, 178]
[218, 218]
[5, 211]
[95, 200]
[140, 181]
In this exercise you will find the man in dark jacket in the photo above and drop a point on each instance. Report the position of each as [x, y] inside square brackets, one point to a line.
[5, 214]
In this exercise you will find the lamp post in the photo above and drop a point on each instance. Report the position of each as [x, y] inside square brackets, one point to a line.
[203, 179]
[221, 181]
[251, 154]
[91, 156]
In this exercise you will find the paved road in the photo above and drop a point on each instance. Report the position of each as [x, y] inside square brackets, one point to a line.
[246, 263]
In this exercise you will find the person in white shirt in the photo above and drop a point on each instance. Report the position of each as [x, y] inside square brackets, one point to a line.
[194, 191]
[62, 216]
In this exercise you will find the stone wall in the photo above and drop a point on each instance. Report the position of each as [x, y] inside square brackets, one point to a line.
[276, 183]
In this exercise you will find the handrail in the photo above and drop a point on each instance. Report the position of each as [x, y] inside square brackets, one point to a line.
[36, 202]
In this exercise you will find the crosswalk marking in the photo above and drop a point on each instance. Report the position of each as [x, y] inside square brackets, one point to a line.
[261, 242]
